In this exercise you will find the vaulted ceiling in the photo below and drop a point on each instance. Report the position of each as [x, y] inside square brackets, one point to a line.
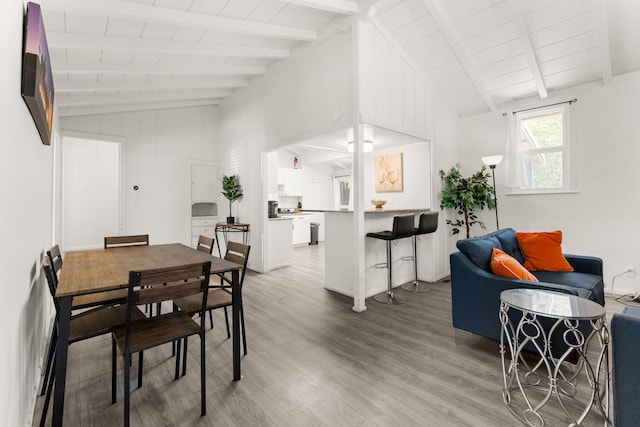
[479, 55]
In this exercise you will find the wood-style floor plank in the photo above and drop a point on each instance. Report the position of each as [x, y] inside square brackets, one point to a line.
[312, 362]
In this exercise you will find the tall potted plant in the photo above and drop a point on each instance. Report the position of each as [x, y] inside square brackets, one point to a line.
[466, 196]
[232, 190]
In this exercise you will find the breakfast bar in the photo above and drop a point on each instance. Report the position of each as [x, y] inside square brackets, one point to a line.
[340, 251]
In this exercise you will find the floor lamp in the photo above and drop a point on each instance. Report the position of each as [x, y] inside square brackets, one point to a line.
[492, 162]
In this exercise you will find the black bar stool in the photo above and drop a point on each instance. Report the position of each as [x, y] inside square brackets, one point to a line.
[403, 226]
[428, 224]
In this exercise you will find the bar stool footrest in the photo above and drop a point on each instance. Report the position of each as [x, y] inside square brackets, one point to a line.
[415, 287]
[389, 298]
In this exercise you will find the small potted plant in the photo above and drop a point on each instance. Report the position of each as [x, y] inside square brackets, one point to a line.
[232, 190]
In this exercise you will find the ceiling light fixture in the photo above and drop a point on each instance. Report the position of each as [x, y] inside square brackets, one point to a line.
[367, 146]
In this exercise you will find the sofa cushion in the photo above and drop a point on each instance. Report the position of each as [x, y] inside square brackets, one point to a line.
[503, 264]
[542, 251]
[509, 242]
[479, 249]
[582, 281]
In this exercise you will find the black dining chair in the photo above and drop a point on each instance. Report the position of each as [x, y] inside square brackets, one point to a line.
[220, 296]
[138, 335]
[84, 303]
[85, 325]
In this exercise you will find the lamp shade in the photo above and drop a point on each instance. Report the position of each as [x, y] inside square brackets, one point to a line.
[492, 160]
[367, 146]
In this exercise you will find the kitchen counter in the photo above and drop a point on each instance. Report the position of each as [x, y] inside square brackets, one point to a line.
[281, 218]
[374, 211]
[341, 251]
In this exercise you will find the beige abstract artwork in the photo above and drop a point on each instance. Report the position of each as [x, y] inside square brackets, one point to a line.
[388, 173]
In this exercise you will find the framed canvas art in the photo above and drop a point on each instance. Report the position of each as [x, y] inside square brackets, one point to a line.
[37, 78]
[388, 173]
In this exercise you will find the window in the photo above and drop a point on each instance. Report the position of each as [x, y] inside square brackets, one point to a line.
[542, 150]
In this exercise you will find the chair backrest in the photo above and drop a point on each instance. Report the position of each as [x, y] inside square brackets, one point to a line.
[56, 258]
[120, 241]
[428, 223]
[238, 253]
[403, 226]
[52, 281]
[165, 284]
[205, 244]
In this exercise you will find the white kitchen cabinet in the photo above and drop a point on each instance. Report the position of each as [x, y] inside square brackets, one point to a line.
[280, 249]
[203, 226]
[290, 182]
[301, 230]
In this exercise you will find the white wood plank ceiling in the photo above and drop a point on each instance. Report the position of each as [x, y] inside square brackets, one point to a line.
[478, 55]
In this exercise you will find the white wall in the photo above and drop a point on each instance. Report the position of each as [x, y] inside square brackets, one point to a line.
[601, 218]
[159, 147]
[393, 93]
[318, 186]
[25, 226]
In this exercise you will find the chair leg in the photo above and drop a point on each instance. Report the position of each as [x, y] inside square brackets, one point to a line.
[203, 387]
[244, 336]
[211, 318]
[226, 319]
[178, 345]
[140, 368]
[47, 399]
[113, 370]
[127, 386]
[50, 354]
[184, 357]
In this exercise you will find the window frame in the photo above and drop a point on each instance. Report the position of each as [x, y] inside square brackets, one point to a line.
[568, 178]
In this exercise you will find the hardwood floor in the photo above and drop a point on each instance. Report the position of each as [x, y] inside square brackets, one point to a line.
[312, 362]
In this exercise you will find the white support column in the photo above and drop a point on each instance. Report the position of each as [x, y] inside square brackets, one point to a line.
[358, 179]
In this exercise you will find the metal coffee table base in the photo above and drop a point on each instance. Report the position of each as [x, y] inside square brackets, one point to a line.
[549, 376]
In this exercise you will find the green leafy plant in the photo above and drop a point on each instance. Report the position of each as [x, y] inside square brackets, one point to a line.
[231, 189]
[467, 196]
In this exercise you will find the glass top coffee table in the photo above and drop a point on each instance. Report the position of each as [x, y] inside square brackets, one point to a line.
[534, 372]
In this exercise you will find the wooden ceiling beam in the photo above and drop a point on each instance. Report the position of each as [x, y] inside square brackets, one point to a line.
[64, 100]
[130, 44]
[71, 67]
[344, 7]
[449, 32]
[600, 9]
[140, 12]
[107, 109]
[147, 85]
[518, 10]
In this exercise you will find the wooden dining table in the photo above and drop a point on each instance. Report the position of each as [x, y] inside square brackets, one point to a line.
[87, 272]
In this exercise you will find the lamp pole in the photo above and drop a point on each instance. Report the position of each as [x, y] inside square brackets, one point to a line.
[492, 162]
[495, 197]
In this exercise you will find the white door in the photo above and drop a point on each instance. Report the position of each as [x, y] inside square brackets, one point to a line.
[91, 200]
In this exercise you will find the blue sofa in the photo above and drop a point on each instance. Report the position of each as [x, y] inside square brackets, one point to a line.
[625, 343]
[475, 291]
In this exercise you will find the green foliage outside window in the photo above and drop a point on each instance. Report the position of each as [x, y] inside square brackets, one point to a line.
[546, 167]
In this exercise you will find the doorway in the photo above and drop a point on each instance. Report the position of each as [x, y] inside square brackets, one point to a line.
[92, 203]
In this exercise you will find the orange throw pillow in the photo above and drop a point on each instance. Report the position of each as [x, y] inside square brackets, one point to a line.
[542, 251]
[503, 264]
